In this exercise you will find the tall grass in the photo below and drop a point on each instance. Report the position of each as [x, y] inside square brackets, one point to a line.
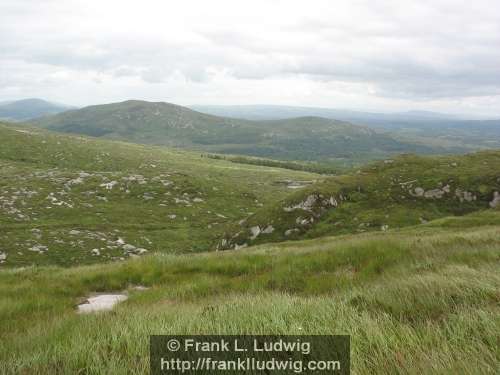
[412, 303]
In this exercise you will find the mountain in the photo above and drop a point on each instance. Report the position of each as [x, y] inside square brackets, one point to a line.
[27, 109]
[454, 133]
[279, 112]
[304, 138]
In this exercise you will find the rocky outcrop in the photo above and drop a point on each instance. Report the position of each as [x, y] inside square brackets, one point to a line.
[464, 195]
[311, 202]
[430, 194]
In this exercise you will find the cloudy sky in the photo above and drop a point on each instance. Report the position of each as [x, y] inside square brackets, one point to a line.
[384, 55]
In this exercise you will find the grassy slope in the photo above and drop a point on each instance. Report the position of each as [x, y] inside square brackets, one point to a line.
[44, 196]
[380, 196]
[307, 138]
[419, 300]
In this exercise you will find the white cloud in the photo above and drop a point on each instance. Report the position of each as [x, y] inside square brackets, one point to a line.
[383, 55]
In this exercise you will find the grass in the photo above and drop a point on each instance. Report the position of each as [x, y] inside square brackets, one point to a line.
[378, 196]
[415, 297]
[52, 185]
[413, 301]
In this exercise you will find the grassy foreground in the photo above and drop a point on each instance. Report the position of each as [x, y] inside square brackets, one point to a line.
[416, 301]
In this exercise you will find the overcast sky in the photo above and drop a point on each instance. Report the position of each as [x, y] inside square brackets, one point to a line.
[440, 55]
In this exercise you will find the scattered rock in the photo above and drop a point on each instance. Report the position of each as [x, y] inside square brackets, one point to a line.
[465, 195]
[39, 248]
[434, 193]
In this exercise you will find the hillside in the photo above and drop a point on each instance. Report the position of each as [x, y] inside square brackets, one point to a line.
[421, 300]
[410, 273]
[394, 193]
[305, 138]
[27, 109]
[452, 133]
[69, 200]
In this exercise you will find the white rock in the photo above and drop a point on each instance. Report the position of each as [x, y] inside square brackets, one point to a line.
[268, 230]
[129, 247]
[120, 241]
[496, 200]
[109, 185]
[38, 248]
[104, 302]
[255, 232]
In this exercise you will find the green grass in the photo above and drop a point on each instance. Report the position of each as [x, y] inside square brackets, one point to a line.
[418, 300]
[162, 199]
[378, 196]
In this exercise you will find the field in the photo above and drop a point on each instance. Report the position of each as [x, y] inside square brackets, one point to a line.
[61, 197]
[414, 301]
[415, 286]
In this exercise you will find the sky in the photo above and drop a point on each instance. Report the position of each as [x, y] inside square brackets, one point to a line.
[376, 55]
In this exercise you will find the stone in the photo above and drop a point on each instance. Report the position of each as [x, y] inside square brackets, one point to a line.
[291, 231]
[255, 232]
[103, 302]
[109, 185]
[434, 193]
[129, 247]
[268, 230]
[419, 192]
[496, 200]
[38, 248]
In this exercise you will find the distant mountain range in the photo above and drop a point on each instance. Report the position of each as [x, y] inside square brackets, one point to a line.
[453, 132]
[278, 112]
[27, 109]
[302, 138]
